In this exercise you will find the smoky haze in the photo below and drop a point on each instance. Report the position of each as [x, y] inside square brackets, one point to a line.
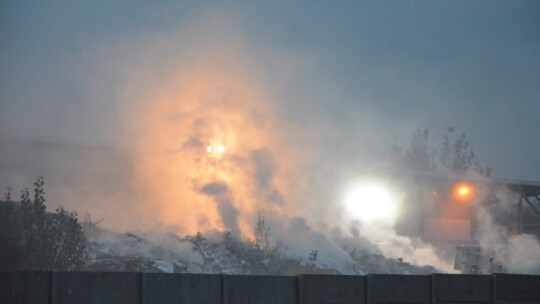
[302, 99]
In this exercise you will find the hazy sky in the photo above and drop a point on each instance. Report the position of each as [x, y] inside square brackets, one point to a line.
[401, 65]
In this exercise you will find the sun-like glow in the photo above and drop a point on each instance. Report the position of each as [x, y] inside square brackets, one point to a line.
[463, 191]
[372, 203]
[220, 105]
[216, 150]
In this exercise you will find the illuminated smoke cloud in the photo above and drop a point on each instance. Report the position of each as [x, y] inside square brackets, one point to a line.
[208, 151]
[211, 152]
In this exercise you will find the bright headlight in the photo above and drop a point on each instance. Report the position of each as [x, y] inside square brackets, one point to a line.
[372, 203]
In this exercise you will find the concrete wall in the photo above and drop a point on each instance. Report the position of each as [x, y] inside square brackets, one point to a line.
[25, 287]
[95, 287]
[259, 289]
[517, 289]
[315, 289]
[144, 288]
[399, 289]
[452, 288]
[160, 288]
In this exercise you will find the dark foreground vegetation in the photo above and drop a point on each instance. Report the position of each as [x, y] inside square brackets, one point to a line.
[35, 239]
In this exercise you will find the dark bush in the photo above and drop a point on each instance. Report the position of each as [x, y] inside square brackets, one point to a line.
[33, 239]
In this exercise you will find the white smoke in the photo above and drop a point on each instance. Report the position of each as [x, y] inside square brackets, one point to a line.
[517, 253]
[411, 250]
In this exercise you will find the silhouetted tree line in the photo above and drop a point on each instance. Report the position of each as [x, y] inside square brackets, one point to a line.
[33, 239]
[454, 157]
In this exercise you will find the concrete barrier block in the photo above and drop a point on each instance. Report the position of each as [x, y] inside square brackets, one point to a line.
[239, 289]
[165, 288]
[32, 287]
[331, 289]
[455, 288]
[512, 288]
[95, 287]
[399, 288]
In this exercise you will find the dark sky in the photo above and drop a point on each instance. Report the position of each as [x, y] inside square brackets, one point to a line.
[355, 66]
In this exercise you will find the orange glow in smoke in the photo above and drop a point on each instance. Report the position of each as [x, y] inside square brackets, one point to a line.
[202, 129]
[463, 192]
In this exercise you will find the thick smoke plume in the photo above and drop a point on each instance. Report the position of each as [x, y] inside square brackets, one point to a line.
[211, 148]
[211, 99]
[217, 96]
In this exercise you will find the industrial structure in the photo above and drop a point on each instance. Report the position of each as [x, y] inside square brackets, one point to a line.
[449, 211]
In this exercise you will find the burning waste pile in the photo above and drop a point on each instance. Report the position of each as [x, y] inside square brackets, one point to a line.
[369, 247]
[288, 245]
[210, 155]
[218, 252]
[365, 249]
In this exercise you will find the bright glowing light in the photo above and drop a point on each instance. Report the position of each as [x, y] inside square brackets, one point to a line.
[216, 150]
[463, 191]
[372, 203]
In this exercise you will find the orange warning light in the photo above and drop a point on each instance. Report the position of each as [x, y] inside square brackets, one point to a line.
[463, 192]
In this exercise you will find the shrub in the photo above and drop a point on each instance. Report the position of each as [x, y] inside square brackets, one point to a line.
[34, 239]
